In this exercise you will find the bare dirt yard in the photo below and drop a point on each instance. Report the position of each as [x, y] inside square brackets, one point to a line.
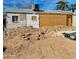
[43, 43]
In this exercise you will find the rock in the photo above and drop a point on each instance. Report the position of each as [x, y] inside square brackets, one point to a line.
[4, 48]
[38, 38]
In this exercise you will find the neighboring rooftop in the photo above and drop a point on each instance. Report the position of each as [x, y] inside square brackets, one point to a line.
[31, 11]
[19, 10]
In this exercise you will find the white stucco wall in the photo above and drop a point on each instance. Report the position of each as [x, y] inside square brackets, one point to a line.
[30, 22]
[11, 24]
[27, 22]
[74, 21]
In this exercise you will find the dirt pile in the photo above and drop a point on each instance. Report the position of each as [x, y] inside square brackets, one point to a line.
[29, 43]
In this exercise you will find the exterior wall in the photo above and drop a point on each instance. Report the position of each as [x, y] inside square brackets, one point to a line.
[33, 23]
[22, 17]
[74, 21]
[44, 19]
[47, 19]
[21, 20]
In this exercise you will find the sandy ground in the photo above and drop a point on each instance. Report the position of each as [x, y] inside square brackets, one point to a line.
[45, 43]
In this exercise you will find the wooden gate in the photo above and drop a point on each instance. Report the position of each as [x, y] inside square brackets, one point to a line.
[49, 19]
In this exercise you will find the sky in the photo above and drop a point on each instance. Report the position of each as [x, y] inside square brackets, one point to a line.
[44, 4]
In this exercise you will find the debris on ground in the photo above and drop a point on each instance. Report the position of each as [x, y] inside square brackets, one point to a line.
[43, 43]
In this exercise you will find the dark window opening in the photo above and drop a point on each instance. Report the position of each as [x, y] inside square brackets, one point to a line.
[14, 18]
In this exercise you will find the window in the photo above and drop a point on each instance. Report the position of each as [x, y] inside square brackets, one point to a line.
[14, 18]
[34, 18]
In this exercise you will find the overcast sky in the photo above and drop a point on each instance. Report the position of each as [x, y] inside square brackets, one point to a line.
[44, 4]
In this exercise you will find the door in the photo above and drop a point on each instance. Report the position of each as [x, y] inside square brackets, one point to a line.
[69, 20]
[33, 20]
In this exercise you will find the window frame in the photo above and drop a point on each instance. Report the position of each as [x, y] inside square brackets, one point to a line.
[14, 19]
[34, 18]
[18, 15]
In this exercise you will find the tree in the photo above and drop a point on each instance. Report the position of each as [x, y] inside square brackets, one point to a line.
[62, 5]
[72, 7]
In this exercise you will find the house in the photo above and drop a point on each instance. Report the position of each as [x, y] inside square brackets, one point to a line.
[37, 19]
